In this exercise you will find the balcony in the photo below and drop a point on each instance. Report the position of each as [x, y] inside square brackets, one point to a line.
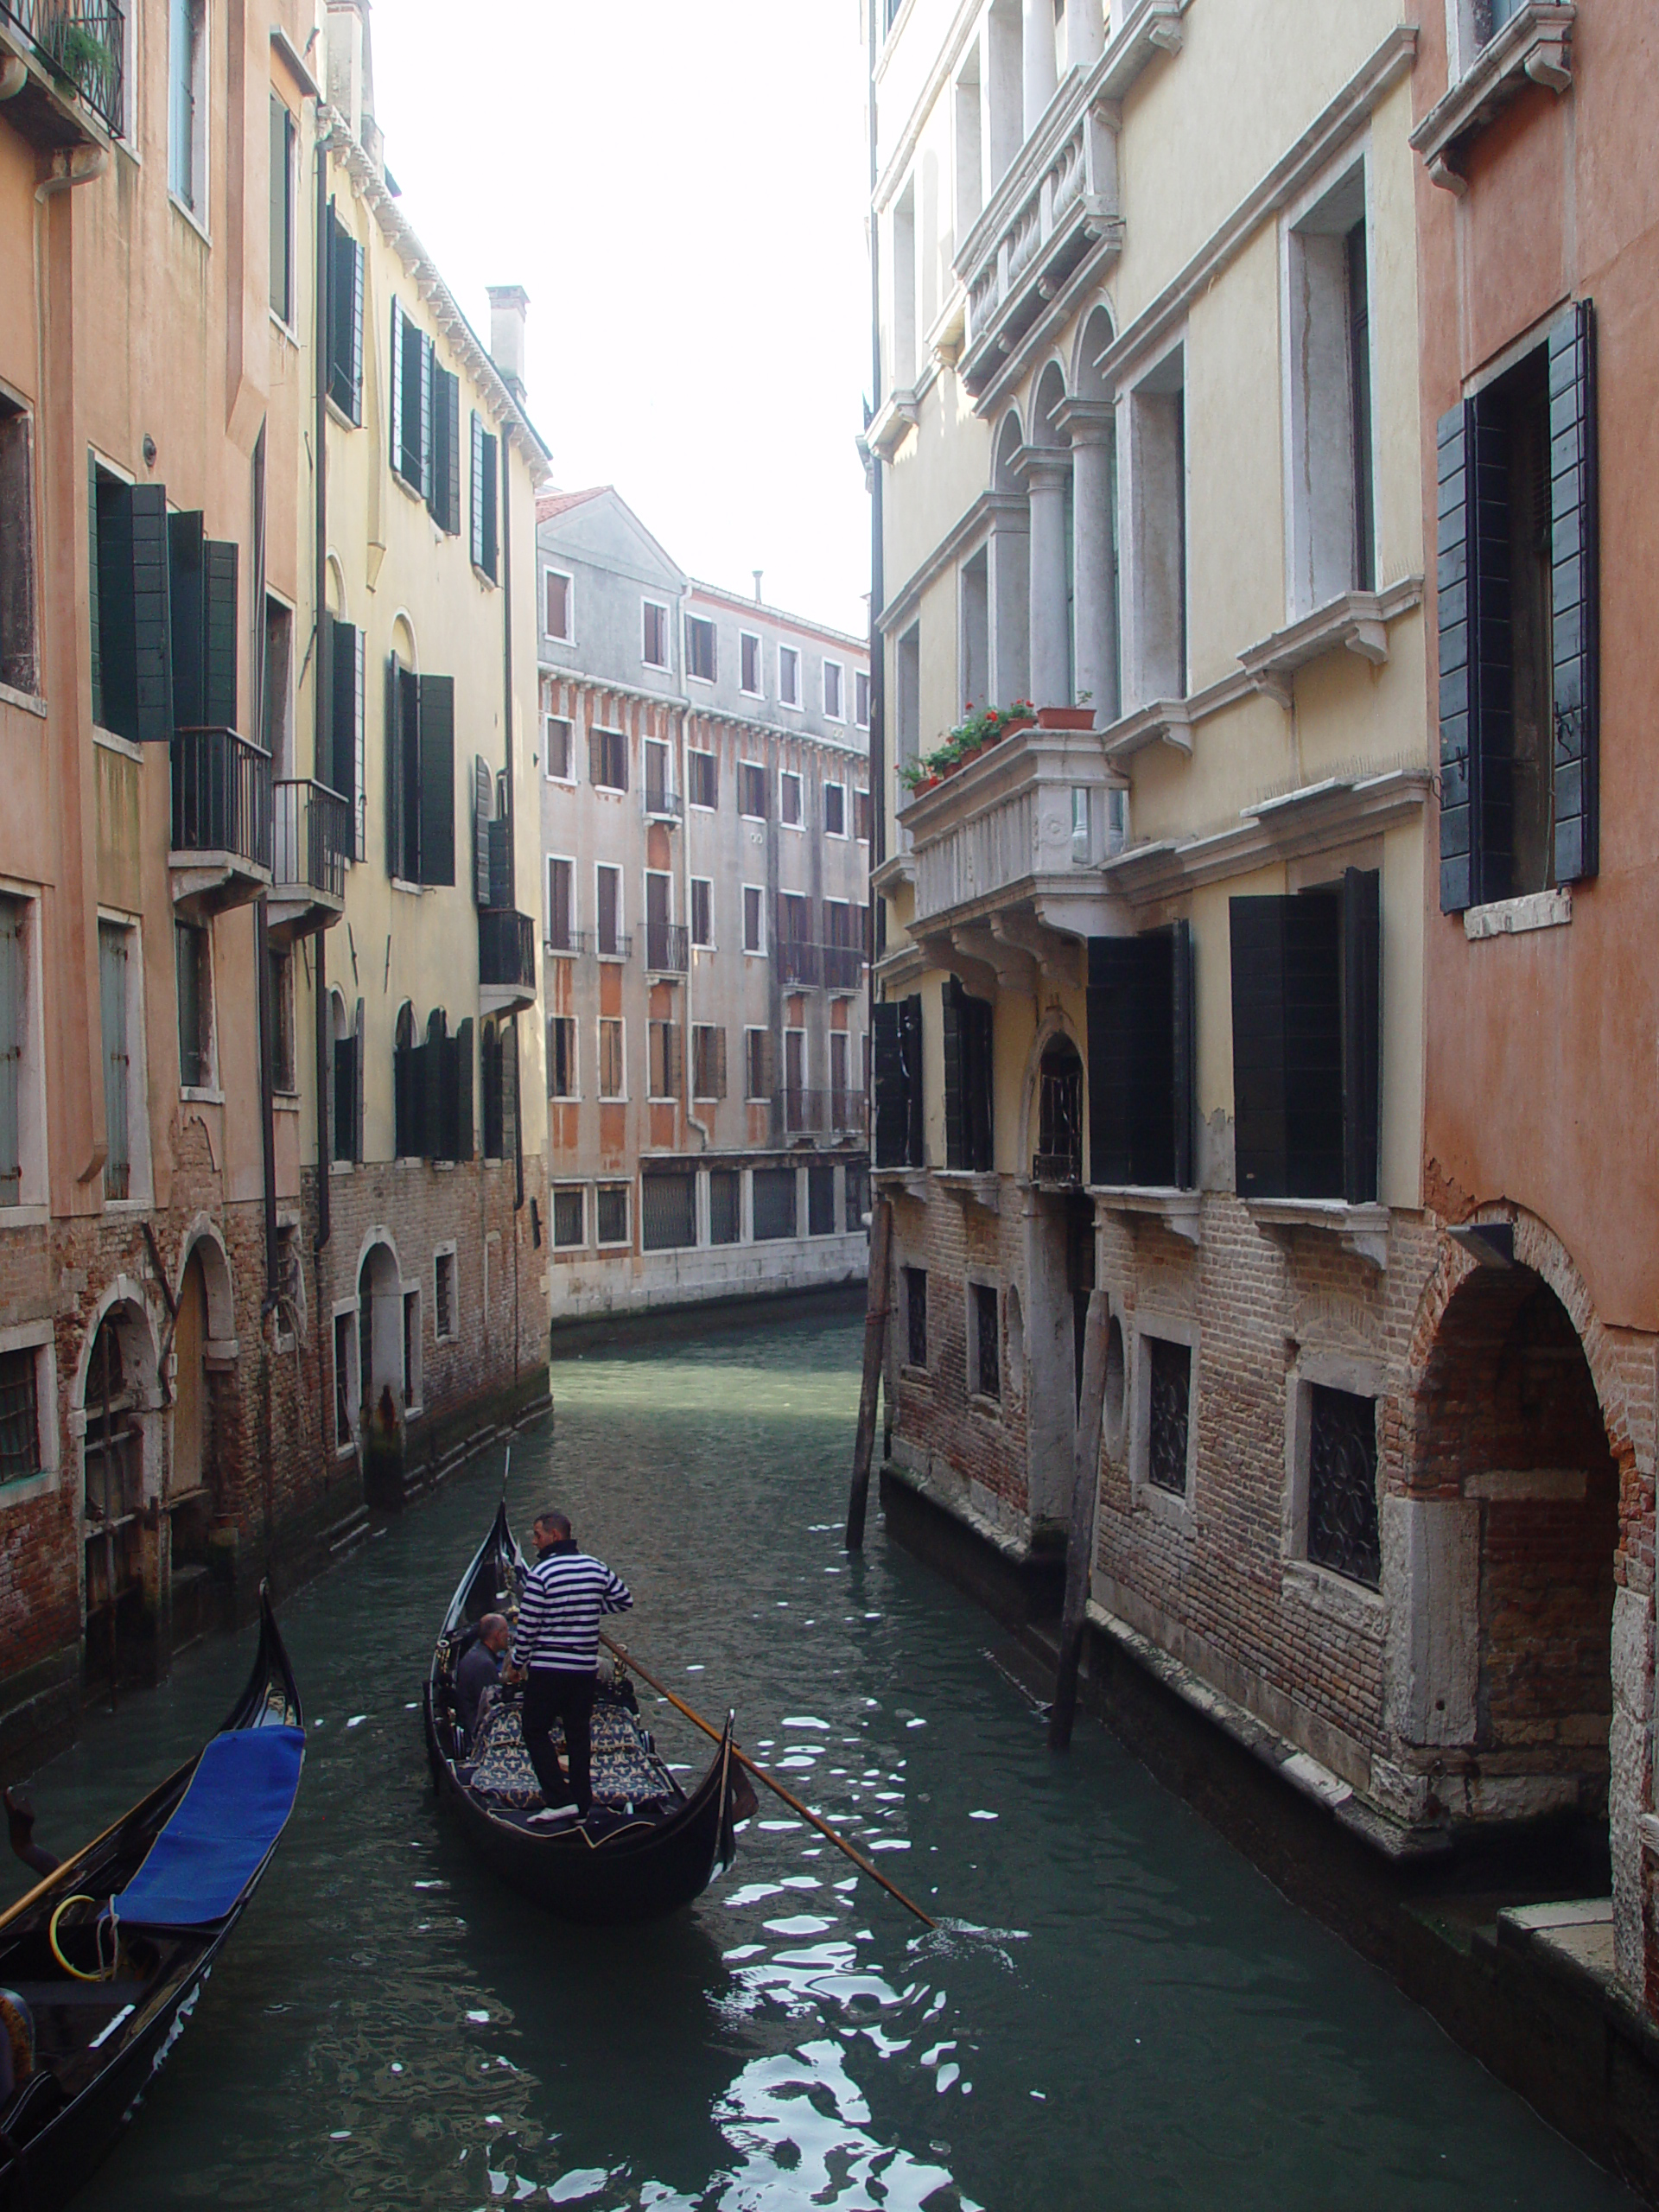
[829, 1114]
[73, 53]
[311, 844]
[662, 804]
[844, 967]
[800, 966]
[1007, 853]
[567, 943]
[666, 948]
[506, 960]
[221, 836]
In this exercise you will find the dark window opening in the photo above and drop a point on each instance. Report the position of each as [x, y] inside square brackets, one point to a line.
[916, 1316]
[774, 1203]
[969, 1080]
[345, 319]
[561, 1056]
[613, 1213]
[443, 1280]
[702, 657]
[1058, 1161]
[1342, 1517]
[1169, 1389]
[751, 790]
[668, 1211]
[709, 1060]
[705, 778]
[725, 1206]
[987, 1365]
[821, 1201]
[20, 1415]
[568, 1219]
[607, 759]
[896, 1077]
[195, 969]
[19, 662]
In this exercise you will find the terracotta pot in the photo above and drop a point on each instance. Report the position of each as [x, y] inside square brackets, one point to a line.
[926, 784]
[1065, 717]
[972, 755]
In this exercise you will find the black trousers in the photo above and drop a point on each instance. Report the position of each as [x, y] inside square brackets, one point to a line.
[549, 1696]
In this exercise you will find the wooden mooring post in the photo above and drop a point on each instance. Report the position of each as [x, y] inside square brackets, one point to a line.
[876, 1344]
[1080, 1538]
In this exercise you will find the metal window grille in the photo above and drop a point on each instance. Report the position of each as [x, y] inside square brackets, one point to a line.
[20, 1417]
[987, 1365]
[915, 1315]
[1342, 1521]
[725, 1206]
[774, 1203]
[821, 1201]
[612, 1209]
[567, 1223]
[1170, 1368]
[668, 1211]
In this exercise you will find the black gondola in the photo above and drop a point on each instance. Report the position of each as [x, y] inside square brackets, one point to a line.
[102, 1963]
[647, 1847]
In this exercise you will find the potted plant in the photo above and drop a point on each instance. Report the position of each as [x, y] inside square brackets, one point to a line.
[1065, 717]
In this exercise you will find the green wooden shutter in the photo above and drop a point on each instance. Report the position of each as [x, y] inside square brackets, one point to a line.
[424, 481]
[152, 657]
[436, 1088]
[1574, 592]
[187, 625]
[220, 631]
[464, 1090]
[483, 812]
[491, 494]
[892, 1099]
[1457, 675]
[92, 612]
[477, 513]
[437, 791]
[1362, 1030]
[357, 1083]
[967, 1079]
[395, 797]
[394, 437]
[444, 496]
[360, 748]
[910, 1040]
[1260, 1150]
[409, 745]
[354, 257]
[1313, 1044]
[342, 718]
[1491, 741]
[11, 1048]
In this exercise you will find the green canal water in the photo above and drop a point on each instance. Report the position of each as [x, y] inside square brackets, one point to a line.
[1117, 2010]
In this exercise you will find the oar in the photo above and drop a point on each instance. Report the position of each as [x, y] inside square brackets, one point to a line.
[70, 1865]
[760, 1775]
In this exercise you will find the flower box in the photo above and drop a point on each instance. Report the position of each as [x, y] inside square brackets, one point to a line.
[1065, 717]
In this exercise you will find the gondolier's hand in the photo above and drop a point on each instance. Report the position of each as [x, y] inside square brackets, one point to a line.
[512, 1673]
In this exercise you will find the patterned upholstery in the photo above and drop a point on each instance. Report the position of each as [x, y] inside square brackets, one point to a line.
[624, 1768]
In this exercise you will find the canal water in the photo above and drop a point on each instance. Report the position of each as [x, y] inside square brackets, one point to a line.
[1116, 2012]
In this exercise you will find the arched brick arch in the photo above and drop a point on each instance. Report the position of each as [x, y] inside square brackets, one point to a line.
[204, 1239]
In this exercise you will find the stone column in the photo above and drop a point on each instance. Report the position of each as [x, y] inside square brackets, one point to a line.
[1010, 587]
[1046, 469]
[1089, 423]
[1041, 76]
[1086, 33]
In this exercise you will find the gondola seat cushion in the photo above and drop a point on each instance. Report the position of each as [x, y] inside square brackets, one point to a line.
[621, 1769]
[221, 1830]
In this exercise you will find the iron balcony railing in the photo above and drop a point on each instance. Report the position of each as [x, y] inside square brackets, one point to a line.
[312, 836]
[831, 967]
[82, 42]
[1057, 1171]
[567, 940]
[662, 804]
[612, 944]
[844, 966]
[665, 948]
[507, 950]
[798, 962]
[822, 1113]
[221, 795]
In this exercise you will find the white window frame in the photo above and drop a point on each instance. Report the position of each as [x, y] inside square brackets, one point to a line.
[790, 776]
[700, 753]
[838, 713]
[196, 208]
[33, 1208]
[860, 684]
[611, 1097]
[624, 1244]
[752, 1097]
[758, 688]
[789, 692]
[646, 660]
[709, 622]
[38, 1337]
[569, 861]
[1144, 1494]
[742, 814]
[700, 945]
[440, 1253]
[755, 951]
[140, 1167]
[655, 1097]
[844, 832]
[567, 635]
[586, 1190]
[568, 720]
[568, 1097]
[616, 869]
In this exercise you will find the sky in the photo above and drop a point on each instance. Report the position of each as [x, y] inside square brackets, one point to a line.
[681, 190]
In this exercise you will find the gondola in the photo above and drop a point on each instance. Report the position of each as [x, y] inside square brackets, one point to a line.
[102, 1962]
[645, 1849]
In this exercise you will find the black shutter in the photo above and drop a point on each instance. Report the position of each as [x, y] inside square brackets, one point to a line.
[501, 863]
[950, 1015]
[186, 627]
[463, 1049]
[477, 514]
[1575, 596]
[1182, 1049]
[1492, 729]
[357, 1083]
[152, 660]
[1256, 930]
[437, 792]
[404, 1061]
[891, 1099]
[342, 718]
[395, 441]
[967, 1079]
[1452, 584]
[426, 479]
[1139, 1059]
[220, 631]
[436, 1086]
[394, 800]
[1362, 1030]
[981, 1099]
[483, 811]
[910, 1038]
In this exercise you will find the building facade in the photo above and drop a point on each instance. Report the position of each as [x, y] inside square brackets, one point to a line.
[177, 850]
[705, 830]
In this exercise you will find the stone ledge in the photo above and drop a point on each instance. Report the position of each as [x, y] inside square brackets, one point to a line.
[1535, 47]
[1534, 910]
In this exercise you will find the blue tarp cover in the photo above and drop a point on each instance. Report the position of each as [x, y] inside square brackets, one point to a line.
[239, 1796]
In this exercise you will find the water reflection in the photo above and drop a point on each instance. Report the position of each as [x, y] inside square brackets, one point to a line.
[1114, 2011]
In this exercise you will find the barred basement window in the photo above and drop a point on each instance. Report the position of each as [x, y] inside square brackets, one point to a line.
[612, 1209]
[725, 1206]
[668, 1211]
[774, 1203]
[821, 1201]
[1169, 1372]
[988, 1366]
[20, 1416]
[916, 1316]
[569, 1229]
[1342, 1521]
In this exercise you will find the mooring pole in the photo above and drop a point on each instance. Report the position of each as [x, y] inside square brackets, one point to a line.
[1085, 1480]
[876, 1338]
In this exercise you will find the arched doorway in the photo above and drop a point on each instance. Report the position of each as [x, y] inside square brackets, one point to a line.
[380, 1364]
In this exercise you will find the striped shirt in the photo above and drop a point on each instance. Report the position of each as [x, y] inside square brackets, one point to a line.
[559, 1606]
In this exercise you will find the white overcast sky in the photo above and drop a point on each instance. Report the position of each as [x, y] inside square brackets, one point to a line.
[681, 190]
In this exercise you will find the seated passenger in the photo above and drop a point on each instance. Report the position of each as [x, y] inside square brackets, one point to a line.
[479, 1669]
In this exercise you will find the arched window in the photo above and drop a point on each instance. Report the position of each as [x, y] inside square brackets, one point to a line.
[1058, 1161]
[406, 1086]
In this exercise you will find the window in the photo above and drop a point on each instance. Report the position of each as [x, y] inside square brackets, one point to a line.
[557, 751]
[1158, 510]
[283, 137]
[612, 1079]
[751, 790]
[702, 911]
[974, 634]
[774, 1203]
[985, 1352]
[861, 697]
[862, 822]
[1306, 1020]
[901, 362]
[968, 1070]
[702, 657]
[406, 1101]
[345, 321]
[789, 798]
[129, 612]
[607, 759]
[1518, 618]
[660, 798]
[498, 1085]
[613, 1212]
[664, 1053]
[798, 1106]
[19, 663]
[1139, 1008]
[788, 676]
[561, 933]
[755, 936]
[278, 732]
[187, 105]
[668, 1211]
[897, 1073]
[916, 1317]
[446, 1306]
[194, 962]
[907, 667]
[834, 705]
[708, 1060]
[1329, 496]
[725, 1206]
[1488, 17]
[821, 1201]
[748, 650]
[346, 1100]
[411, 1350]
[835, 810]
[757, 1057]
[420, 769]
[856, 1179]
[346, 1390]
[114, 954]
[610, 942]
[284, 1065]
[561, 1056]
[558, 607]
[345, 697]
[434, 1090]
[485, 490]
[411, 402]
[703, 771]
[1342, 1516]
[443, 478]
[653, 648]
[1169, 1399]
[569, 1227]
[20, 1415]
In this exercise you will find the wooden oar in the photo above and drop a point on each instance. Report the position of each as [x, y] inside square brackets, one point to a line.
[70, 1865]
[760, 1775]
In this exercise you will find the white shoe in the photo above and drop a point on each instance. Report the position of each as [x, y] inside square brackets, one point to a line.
[553, 1816]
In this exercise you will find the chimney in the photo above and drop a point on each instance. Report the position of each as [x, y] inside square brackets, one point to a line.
[348, 42]
[508, 304]
[757, 573]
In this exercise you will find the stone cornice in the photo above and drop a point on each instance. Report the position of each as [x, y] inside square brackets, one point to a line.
[1533, 47]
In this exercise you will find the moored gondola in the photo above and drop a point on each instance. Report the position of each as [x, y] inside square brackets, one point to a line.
[102, 1961]
[646, 1848]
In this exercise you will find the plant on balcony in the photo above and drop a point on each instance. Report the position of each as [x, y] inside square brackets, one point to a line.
[967, 740]
[82, 56]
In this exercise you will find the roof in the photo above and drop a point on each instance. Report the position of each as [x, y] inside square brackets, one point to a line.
[551, 503]
[746, 603]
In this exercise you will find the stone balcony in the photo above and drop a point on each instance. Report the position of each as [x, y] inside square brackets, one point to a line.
[1007, 855]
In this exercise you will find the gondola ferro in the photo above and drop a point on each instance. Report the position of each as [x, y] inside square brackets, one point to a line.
[646, 1848]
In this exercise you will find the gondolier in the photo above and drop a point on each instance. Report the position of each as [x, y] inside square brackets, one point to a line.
[555, 1647]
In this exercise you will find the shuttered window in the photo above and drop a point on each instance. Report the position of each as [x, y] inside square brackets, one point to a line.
[412, 440]
[420, 776]
[437, 809]
[1306, 1002]
[194, 969]
[702, 910]
[967, 1079]
[344, 319]
[708, 1060]
[484, 493]
[12, 1016]
[344, 650]
[1140, 1059]
[443, 491]
[283, 136]
[668, 1211]
[666, 1056]
[774, 1203]
[561, 906]
[896, 1077]
[607, 759]
[130, 607]
[607, 885]
[821, 1201]
[703, 771]
[113, 945]
[202, 607]
[612, 1079]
